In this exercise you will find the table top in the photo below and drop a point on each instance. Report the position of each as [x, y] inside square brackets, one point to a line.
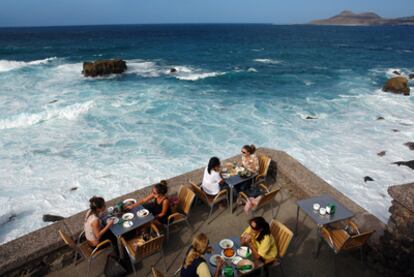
[236, 180]
[217, 250]
[341, 212]
[118, 230]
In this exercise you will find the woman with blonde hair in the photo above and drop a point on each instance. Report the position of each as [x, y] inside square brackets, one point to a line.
[194, 264]
[249, 159]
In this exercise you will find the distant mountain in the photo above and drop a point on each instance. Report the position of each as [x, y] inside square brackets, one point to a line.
[348, 18]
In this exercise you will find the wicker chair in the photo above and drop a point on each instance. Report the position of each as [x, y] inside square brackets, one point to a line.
[282, 236]
[84, 249]
[156, 272]
[264, 163]
[149, 248]
[341, 241]
[208, 200]
[185, 200]
[267, 199]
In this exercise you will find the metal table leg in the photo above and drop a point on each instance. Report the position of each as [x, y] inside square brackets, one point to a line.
[297, 219]
[120, 248]
[231, 199]
[318, 242]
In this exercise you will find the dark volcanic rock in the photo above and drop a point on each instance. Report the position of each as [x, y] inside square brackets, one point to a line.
[380, 118]
[311, 117]
[410, 164]
[53, 101]
[396, 72]
[173, 70]
[411, 76]
[73, 188]
[103, 67]
[397, 85]
[368, 179]
[410, 145]
[52, 218]
[382, 153]
[395, 130]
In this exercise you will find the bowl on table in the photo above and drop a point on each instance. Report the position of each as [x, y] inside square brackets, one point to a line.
[128, 216]
[322, 211]
[244, 251]
[316, 206]
[245, 266]
[114, 219]
[226, 243]
[129, 201]
[127, 224]
[142, 213]
[236, 260]
[110, 209]
[228, 253]
[213, 259]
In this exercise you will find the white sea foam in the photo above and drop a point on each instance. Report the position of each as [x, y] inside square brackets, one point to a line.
[25, 120]
[268, 61]
[194, 76]
[6, 65]
[252, 69]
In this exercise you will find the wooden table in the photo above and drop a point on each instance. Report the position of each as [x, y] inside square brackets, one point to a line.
[306, 205]
[217, 250]
[118, 229]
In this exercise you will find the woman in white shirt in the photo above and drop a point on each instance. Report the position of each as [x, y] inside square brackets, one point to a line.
[212, 180]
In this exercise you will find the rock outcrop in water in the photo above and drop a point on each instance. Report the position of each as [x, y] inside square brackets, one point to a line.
[103, 67]
[397, 85]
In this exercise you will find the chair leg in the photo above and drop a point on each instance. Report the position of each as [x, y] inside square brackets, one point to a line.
[133, 266]
[168, 232]
[163, 261]
[211, 211]
[281, 270]
[362, 254]
[189, 226]
[273, 214]
[89, 267]
[75, 258]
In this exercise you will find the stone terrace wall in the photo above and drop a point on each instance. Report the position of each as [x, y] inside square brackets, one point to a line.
[397, 248]
[43, 250]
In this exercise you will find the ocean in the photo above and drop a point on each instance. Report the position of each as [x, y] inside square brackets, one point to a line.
[234, 85]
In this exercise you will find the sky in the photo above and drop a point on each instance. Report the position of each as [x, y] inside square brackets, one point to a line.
[94, 12]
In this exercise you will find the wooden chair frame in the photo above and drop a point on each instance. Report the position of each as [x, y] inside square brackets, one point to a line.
[79, 248]
[185, 200]
[149, 248]
[282, 236]
[267, 199]
[211, 202]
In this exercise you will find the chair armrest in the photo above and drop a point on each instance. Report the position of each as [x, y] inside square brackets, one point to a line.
[155, 229]
[127, 247]
[243, 197]
[220, 195]
[175, 217]
[80, 237]
[263, 187]
[260, 177]
[327, 233]
[354, 226]
[101, 245]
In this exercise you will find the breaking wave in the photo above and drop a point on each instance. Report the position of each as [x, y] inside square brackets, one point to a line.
[25, 120]
[268, 61]
[6, 65]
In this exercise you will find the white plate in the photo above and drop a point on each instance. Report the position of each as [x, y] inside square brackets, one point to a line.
[213, 259]
[142, 213]
[226, 243]
[245, 261]
[127, 224]
[242, 251]
[236, 260]
[128, 216]
[115, 219]
[129, 200]
[110, 209]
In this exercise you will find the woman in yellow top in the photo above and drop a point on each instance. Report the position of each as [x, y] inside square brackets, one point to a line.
[260, 240]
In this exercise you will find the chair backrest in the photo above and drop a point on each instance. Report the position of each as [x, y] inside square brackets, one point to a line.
[267, 198]
[156, 273]
[150, 247]
[200, 193]
[282, 236]
[185, 199]
[264, 163]
[68, 240]
[356, 241]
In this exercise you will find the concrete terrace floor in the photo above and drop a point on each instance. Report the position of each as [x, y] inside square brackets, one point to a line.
[299, 260]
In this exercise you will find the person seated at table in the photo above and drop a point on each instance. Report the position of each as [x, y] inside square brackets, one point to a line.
[260, 240]
[94, 232]
[156, 203]
[249, 160]
[194, 264]
[213, 182]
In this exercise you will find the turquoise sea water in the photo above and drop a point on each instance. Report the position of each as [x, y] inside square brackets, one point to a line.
[235, 85]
